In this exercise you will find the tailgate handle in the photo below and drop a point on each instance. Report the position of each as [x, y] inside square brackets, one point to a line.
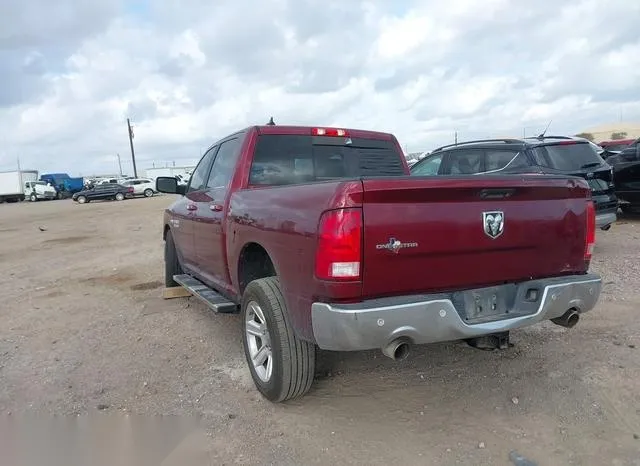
[496, 193]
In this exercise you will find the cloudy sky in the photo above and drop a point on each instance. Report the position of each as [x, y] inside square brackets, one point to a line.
[189, 71]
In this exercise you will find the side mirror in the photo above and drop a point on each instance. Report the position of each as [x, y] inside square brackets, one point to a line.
[169, 185]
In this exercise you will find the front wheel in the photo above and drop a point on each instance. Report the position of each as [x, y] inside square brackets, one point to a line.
[33, 198]
[148, 192]
[82, 199]
[119, 197]
[282, 365]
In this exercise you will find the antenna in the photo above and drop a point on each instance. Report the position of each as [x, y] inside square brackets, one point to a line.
[271, 122]
[541, 135]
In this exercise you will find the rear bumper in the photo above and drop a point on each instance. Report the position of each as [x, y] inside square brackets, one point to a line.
[434, 318]
[606, 218]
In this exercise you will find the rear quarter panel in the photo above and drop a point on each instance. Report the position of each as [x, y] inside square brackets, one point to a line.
[284, 220]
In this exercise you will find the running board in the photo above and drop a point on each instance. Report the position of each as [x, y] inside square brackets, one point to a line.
[211, 298]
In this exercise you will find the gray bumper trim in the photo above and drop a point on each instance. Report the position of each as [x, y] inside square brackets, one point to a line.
[606, 219]
[430, 319]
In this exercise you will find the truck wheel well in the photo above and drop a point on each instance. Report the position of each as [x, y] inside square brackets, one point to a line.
[254, 263]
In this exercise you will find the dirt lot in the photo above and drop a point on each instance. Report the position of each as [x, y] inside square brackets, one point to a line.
[83, 330]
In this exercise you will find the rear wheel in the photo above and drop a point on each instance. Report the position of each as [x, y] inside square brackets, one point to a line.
[119, 197]
[148, 192]
[171, 262]
[282, 365]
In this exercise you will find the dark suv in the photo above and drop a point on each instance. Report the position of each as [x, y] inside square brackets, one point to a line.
[545, 154]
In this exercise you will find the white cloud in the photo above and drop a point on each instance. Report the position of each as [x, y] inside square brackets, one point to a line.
[188, 72]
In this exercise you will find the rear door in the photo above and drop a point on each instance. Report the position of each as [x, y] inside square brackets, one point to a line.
[463, 162]
[445, 233]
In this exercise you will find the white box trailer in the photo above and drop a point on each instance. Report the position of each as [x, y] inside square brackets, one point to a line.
[12, 184]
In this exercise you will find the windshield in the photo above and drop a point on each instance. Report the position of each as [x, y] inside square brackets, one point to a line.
[577, 156]
[41, 183]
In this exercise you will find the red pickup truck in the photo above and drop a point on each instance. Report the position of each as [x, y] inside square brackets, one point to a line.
[321, 239]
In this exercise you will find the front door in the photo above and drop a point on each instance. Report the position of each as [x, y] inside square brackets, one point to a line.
[209, 230]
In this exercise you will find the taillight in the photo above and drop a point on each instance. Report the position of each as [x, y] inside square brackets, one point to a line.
[591, 231]
[130, 189]
[338, 256]
[329, 132]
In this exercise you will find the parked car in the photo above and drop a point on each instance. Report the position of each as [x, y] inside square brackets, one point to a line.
[141, 186]
[614, 146]
[105, 191]
[626, 176]
[315, 235]
[558, 155]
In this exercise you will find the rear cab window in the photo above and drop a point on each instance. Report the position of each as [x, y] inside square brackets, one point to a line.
[293, 159]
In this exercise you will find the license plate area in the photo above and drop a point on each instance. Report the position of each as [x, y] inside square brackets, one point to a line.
[497, 303]
[486, 304]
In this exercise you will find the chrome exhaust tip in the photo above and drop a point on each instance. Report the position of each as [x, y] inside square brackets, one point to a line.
[569, 319]
[397, 350]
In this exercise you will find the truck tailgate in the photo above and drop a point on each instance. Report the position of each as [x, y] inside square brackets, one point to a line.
[443, 234]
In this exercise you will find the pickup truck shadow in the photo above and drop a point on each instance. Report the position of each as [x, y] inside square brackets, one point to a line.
[445, 366]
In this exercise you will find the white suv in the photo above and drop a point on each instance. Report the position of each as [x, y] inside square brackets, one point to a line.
[141, 186]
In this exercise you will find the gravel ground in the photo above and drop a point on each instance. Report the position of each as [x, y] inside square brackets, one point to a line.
[84, 331]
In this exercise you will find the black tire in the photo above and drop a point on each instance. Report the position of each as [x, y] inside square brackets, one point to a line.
[33, 198]
[171, 262]
[119, 197]
[82, 200]
[148, 192]
[294, 360]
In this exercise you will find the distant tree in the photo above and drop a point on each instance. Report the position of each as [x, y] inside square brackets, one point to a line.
[587, 136]
[619, 135]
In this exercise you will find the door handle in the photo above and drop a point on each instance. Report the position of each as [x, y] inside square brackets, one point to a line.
[216, 207]
[192, 207]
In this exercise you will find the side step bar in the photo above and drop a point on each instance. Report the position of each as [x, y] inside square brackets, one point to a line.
[211, 298]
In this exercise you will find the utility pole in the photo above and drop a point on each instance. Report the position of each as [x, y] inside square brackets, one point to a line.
[119, 164]
[455, 138]
[133, 154]
[20, 173]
